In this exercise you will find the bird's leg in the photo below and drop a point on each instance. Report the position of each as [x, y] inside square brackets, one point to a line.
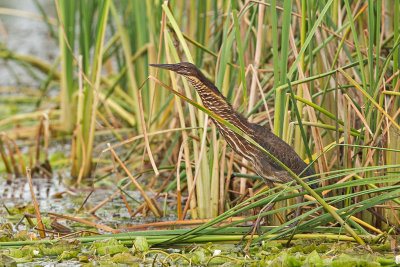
[298, 209]
[257, 224]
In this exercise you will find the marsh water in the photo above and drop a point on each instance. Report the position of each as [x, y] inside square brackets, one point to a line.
[26, 34]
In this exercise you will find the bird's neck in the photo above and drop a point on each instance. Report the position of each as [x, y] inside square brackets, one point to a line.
[214, 101]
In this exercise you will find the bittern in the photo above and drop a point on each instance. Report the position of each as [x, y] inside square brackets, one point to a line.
[265, 167]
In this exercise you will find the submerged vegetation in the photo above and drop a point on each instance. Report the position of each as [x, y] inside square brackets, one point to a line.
[322, 75]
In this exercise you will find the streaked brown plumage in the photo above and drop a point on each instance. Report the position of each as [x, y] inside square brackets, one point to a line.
[214, 101]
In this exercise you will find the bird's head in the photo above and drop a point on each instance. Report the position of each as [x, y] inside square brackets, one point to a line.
[193, 75]
[184, 68]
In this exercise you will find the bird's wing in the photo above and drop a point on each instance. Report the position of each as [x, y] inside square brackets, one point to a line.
[279, 148]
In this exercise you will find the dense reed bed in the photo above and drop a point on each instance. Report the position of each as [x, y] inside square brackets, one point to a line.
[322, 75]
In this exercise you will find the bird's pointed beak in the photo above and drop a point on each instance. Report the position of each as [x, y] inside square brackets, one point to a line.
[172, 67]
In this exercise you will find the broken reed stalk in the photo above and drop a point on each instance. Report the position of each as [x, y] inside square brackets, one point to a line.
[38, 137]
[139, 187]
[18, 152]
[83, 203]
[11, 155]
[4, 155]
[118, 176]
[46, 136]
[179, 223]
[35, 205]
[92, 224]
[101, 204]
[146, 139]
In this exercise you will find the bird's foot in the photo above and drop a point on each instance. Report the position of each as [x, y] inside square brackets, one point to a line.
[294, 225]
[255, 227]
